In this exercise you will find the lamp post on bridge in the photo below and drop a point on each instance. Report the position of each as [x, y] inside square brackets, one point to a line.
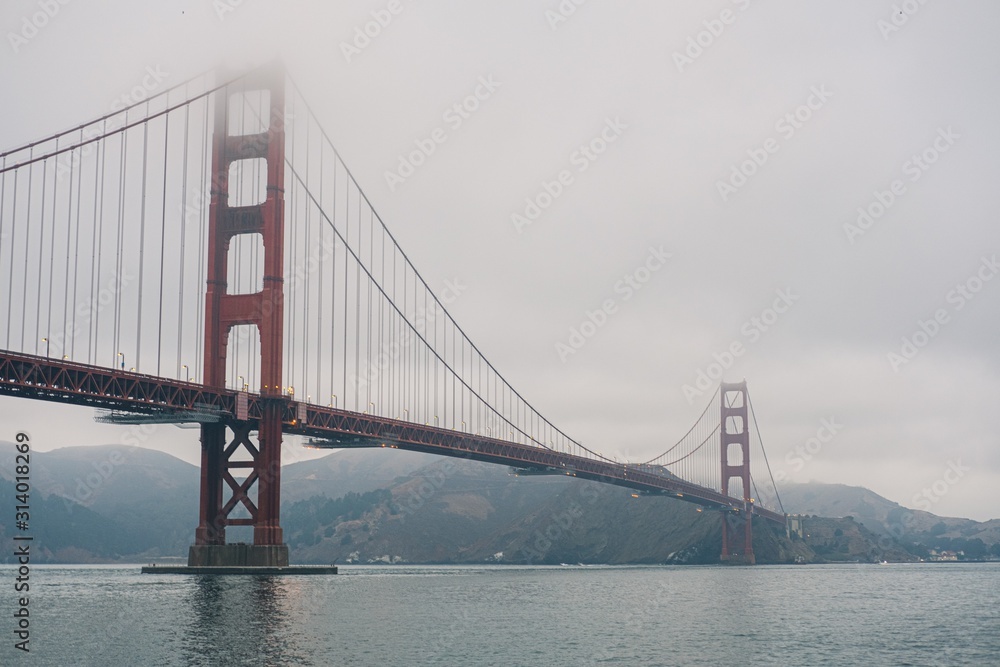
[46, 341]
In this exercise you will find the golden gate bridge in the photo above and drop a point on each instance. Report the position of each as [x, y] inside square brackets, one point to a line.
[206, 256]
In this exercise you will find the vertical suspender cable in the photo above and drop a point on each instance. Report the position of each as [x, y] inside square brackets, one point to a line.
[184, 220]
[119, 238]
[10, 273]
[95, 274]
[27, 238]
[68, 237]
[41, 246]
[76, 255]
[142, 241]
[206, 181]
[319, 295]
[163, 238]
[52, 243]
[3, 196]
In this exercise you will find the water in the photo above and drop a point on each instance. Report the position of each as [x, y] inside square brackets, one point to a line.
[804, 615]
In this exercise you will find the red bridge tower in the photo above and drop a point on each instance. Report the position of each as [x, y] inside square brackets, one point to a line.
[735, 431]
[263, 309]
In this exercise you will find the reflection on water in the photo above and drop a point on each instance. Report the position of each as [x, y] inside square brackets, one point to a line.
[244, 620]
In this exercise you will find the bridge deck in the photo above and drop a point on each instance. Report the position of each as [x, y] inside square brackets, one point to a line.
[41, 378]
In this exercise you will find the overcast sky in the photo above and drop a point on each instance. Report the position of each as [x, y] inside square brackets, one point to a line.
[741, 138]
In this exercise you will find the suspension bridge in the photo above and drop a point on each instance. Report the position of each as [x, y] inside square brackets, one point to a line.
[206, 256]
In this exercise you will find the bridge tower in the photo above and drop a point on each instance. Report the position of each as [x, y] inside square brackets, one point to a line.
[734, 430]
[231, 153]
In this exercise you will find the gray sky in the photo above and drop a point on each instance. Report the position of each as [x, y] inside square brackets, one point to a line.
[680, 119]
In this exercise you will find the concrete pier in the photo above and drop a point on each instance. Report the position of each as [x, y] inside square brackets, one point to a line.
[233, 569]
[238, 555]
[239, 559]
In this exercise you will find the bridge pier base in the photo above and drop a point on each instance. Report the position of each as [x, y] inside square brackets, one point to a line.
[238, 555]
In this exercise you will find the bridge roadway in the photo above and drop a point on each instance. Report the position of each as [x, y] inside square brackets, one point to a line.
[42, 378]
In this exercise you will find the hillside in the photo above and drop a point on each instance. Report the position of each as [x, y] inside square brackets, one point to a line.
[466, 512]
[116, 503]
[884, 517]
[349, 471]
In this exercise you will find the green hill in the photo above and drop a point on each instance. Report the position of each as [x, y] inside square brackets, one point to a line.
[128, 504]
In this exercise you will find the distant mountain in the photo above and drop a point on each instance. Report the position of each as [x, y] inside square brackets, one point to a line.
[62, 531]
[348, 471]
[118, 503]
[151, 498]
[886, 517]
[465, 512]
